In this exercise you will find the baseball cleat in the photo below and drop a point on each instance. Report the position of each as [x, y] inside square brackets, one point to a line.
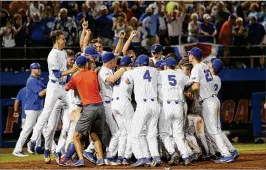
[119, 160]
[195, 157]
[31, 147]
[140, 162]
[57, 157]
[19, 154]
[100, 162]
[174, 159]
[226, 159]
[235, 154]
[110, 161]
[148, 161]
[156, 161]
[125, 161]
[89, 156]
[47, 158]
[186, 161]
[79, 163]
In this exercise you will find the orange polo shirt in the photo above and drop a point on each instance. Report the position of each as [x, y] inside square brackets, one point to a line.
[87, 84]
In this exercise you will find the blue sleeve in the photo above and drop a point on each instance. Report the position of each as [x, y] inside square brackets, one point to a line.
[19, 96]
[57, 73]
[35, 86]
[79, 17]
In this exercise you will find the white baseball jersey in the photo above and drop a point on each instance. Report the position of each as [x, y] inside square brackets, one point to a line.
[217, 84]
[57, 61]
[121, 88]
[173, 83]
[106, 89]
[145, 81]
[201, 74]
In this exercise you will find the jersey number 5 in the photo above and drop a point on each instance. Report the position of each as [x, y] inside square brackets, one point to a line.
[147, 76]
[208, 75]
[172, 80]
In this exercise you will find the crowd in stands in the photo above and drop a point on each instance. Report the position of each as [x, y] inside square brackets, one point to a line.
[164, 22]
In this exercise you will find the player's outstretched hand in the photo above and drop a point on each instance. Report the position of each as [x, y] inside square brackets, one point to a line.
[122, 34]
[74, 68]
[133, 33]
[85, 25]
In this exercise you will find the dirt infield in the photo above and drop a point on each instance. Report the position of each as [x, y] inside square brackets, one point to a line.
[245, 161]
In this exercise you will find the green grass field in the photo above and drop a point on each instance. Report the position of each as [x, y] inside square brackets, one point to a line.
[242, 148]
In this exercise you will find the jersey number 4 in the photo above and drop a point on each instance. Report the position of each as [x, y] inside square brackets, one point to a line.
[208, 75]
[147, 76]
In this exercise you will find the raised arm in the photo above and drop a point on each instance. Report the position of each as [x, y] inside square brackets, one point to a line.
[128, 42]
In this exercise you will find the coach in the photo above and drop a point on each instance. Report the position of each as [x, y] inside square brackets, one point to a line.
[92, 118]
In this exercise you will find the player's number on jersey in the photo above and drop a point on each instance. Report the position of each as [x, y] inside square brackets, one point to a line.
[147, 76]
[172, 80]
[118, 82]
[208, 75]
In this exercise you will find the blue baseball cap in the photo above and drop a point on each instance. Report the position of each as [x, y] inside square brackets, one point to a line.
[196, 52]
[82, 60]
[108, 57]
[170, 62]
[92, 51]
[217, 65]
[156, 48]
[125, 61]
[143, 60]
[35, 66]
[159, 64]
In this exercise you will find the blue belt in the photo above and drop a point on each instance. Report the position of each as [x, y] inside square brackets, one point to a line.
[169, 101]
[95, 104]
[60, 83]
[107, 102]
[145, 100]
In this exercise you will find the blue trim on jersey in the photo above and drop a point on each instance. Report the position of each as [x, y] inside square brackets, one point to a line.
[57, 73]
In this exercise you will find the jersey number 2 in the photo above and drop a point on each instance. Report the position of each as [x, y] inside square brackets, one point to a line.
[208, 75]
[147, 76]
[172, 80]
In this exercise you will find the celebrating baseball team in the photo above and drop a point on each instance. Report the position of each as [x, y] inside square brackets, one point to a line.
[133, 110]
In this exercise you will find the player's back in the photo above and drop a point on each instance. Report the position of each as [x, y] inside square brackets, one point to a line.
[172, 84]
[217, 84]
[121, 88]
[57, 61]
[201, 73]
[145, 80]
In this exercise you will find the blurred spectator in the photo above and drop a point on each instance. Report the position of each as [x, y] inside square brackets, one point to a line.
[49, 19]
[37, 30]
[137, 9]
[67, 25]
[72, 8]
[221, 16]
[94, 6]
[151, 24]
[264, 25]
[207, 29]
[256, 32]
[119, 26]
[104, 27]
[85, 16]
[163, 31]
[21, 30]
[4, 15]
[35, 7]
[202, 11]
[174, 25]
[226, 36]
[15, 6]
[239, 33]
[141, 33]
[262, 13]
[253, 10]
[193, 29]
[8, 33]
[126, 10]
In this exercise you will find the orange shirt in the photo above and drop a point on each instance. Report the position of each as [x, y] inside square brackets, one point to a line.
[226, 35]
[86, 82]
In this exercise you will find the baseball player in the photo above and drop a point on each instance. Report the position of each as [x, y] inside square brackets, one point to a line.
[172, 83]
[106, 80]
[123, 110]
[156, 52]
[145, 79]
[21, 97]
[202, 81]
[57, 80]
[215, 66]
[35, 92]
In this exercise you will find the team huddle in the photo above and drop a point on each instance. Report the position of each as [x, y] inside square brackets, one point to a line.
[140, 112]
